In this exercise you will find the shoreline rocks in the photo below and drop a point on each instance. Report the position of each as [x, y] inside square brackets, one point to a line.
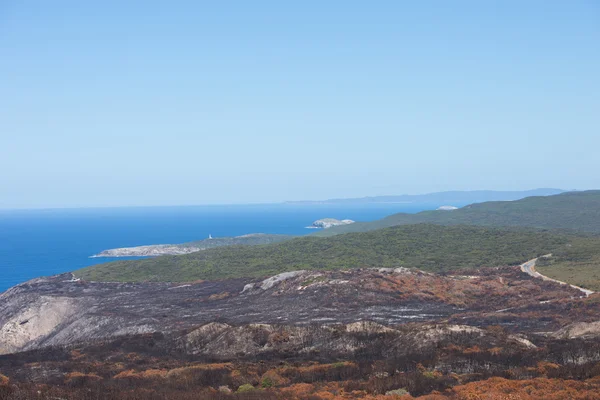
[191, 247]
[326, 223]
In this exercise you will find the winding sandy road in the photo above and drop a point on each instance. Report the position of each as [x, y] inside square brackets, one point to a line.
[529, 268]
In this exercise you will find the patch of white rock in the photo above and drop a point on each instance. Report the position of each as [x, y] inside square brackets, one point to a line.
[446, 208]
[326, 223]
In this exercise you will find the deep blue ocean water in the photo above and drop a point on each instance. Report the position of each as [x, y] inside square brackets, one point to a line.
[46, 242]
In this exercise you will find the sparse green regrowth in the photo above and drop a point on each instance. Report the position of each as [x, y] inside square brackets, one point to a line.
[245, 388]
[267, 383]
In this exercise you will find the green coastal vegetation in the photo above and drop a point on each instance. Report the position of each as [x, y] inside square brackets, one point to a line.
[577, 263]
[424, 246]
[245, 240]
[486, 234]
[575, 211]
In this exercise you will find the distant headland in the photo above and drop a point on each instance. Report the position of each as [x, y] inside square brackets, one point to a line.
[451, 197]
[191, 247]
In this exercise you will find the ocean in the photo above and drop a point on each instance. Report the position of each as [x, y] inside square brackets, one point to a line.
[37, 243]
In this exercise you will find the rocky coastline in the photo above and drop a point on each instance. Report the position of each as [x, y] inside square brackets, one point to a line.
[191, 247]
[326, 223]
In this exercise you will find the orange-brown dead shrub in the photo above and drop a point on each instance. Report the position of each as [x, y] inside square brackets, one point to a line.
[79, 378]
[298, 391]
[528, 389]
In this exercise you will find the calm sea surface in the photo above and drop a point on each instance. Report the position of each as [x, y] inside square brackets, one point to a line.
[45, 242]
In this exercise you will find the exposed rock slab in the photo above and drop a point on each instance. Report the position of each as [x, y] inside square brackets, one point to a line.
[60, 311]
[578, 330]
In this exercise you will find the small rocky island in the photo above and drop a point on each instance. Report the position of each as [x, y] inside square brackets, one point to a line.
[329, 222]
[191, 247]
[446, 208]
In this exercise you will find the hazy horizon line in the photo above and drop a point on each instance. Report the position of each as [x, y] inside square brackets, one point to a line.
[284, 202]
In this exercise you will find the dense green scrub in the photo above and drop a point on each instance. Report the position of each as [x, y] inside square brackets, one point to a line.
[576, 211]
[427, 247]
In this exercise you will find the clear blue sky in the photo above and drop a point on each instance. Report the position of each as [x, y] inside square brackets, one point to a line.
[106, 103]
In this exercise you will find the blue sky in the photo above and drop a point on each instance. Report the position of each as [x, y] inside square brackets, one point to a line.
[190, 102]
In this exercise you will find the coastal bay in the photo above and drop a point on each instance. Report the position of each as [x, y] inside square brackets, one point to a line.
[36, 243]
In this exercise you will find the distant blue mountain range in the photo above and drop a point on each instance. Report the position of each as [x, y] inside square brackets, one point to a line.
[450, 198]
